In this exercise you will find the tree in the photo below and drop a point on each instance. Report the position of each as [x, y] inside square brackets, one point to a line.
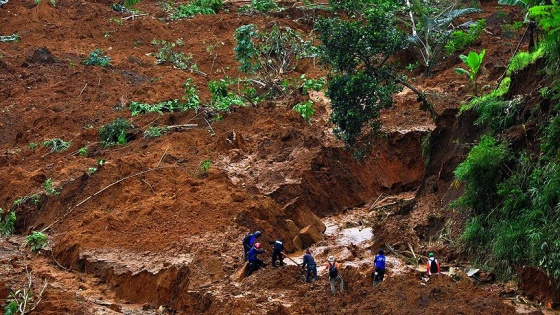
[362, 79]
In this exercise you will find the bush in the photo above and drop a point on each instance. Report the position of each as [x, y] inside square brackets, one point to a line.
[7, 221]
[155, 132]
[459, 40]
[57, 145]
[36, 241]
[167, 54]
[305, 109]
[481, 172]
[97, 58]
[204, 7]
[115, 132]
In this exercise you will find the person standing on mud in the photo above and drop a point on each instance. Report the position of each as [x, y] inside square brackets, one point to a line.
[248, 242]
[254, 262]
[309, 262]
[277, 248]
[379, 272]
[334, 274]
[432, 266]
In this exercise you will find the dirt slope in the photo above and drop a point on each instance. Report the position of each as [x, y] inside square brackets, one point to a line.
[147, 228]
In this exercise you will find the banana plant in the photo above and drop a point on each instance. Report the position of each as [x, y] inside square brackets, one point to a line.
[473, 61]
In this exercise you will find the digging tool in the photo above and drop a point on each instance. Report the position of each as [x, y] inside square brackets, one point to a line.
[299, 265]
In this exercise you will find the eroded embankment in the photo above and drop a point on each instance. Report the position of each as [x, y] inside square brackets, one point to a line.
[305, 185]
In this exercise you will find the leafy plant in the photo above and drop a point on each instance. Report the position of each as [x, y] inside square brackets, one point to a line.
[203, 168]
[92, 169]
[305, 109]
[98, 58]
[11, 308]
[311, 84]
[57, 144]
[168, 54]
[115, 132]
[37, 241]
[154, 131]
[204, 7]
[481, 171]
[32, 146]
[460, 39]
[363, 81]
[430, 29]
[473, 61]
[49, 188]
[190, 95]
[83, 151]
[222, 97]
[261, 6]
[270, 53]
[7, 221]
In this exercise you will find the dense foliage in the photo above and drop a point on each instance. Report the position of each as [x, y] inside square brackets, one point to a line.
[363, 81]
[514, 193]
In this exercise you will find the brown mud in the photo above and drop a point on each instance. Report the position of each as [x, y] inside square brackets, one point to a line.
[149, 232]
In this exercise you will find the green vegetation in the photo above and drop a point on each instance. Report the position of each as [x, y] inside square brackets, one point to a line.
[195, 7]
[203, 168]
[305, 109]
[115, 132]
[97, 58]
[7, 221]
[32, 146]
[311, 84]
[260, 6]
[83, 151]
[473, 61]
[168, 54]
[272, 53]
[137, 108]
[37, 241]
[362, 80]
[512, 188]
[155, 132]
[57, 144]
[49, 188]
[460, 39]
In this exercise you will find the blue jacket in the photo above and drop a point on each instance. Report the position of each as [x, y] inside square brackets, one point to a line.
[308, 260]
[379, 262]
[277, 246]
[249, 240]
[253, 254]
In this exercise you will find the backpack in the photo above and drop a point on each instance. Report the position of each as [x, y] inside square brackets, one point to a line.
[433, 266]
[333, 271]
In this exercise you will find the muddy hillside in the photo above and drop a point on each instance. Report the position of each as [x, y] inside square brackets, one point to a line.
[153, 224]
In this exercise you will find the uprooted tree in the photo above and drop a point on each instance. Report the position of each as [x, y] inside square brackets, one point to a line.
[363, 80]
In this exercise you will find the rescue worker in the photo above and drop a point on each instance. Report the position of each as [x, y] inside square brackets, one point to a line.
[334, 274]
[309, 262]
[277, 248]
[254, 262]
[379, 272]
[432, 266]
[248, 242]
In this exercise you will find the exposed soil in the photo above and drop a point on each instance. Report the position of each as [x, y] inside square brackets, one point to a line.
[148, 232]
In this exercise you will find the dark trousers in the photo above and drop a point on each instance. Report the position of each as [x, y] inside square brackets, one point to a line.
[254, 266]
[379, 276]
[311, 271]
[246, 249]
[276, 255]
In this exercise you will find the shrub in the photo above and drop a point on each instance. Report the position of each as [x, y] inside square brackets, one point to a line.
[37, 241]
[305, 109]
[48, 186]
[203, 168]
[261, 6]
[312, 84]
[154, 131]
[115, 132]
[7, 221]
[97, 58]
[222, 97]
[195, 7]
[57, 144]
[473, 61]
[167, 54]
[83, 151]
[481, 172]
[460, 39]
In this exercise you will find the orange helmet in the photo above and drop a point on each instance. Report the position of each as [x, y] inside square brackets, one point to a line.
[257, 245]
